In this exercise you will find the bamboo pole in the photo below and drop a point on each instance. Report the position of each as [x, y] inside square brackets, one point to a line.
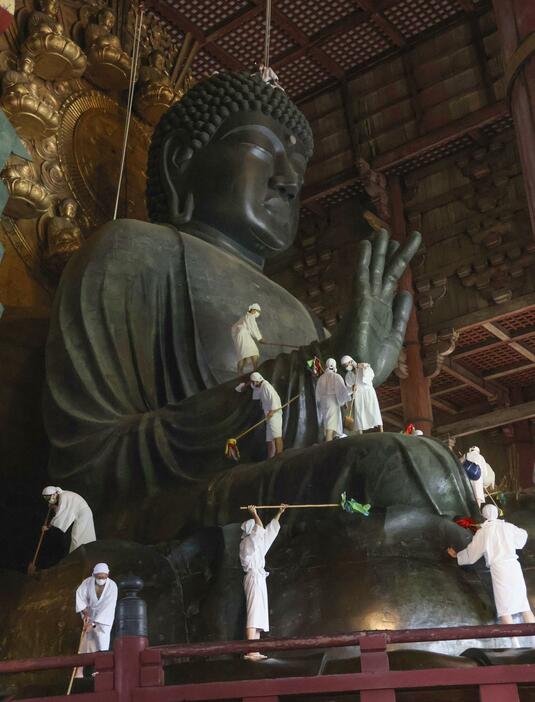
[32, 565]
[264, 419]
[71, 681]
[274, 343]
[331, 504]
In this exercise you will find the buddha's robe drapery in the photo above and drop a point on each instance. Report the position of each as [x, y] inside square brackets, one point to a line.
[134, 404]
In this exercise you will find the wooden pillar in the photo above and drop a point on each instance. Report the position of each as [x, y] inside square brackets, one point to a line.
[523, 445]
[516, 27]
[415, 389]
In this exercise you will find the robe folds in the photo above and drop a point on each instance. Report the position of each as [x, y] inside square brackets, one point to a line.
[366, 411]
[138, 409]
[499, 541]
[101, 613]
[331, 394]
[73, 509]
[253, 550]
[244, 334]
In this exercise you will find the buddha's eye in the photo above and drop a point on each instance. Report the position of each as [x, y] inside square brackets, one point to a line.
[258, 150]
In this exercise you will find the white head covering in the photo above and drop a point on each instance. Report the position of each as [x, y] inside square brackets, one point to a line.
[247, 527]
[418, 432]
[490, 512]
[101, 568]
[51, 490]
[256, 377]
[331, 364]
[254, 306]
[346, 359]
[474, 448]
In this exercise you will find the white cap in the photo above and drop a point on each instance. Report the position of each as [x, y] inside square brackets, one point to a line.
[101, 568]
[418, 432]
[474, 448]
[490, 512]
[248, 526]
[346, 359]
[255, 306]
[331, 364]
[256, 377]
[51, 490]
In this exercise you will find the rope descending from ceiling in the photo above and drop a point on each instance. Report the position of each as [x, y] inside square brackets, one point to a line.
[138, 27]
[267, 73]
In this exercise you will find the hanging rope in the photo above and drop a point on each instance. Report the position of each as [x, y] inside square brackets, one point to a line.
[267, 73]
[138, 25]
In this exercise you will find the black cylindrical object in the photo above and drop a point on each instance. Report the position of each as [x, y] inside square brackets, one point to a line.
[131, 612]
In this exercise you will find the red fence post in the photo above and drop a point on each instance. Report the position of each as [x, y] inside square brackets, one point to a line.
[374, 659]
[498, 693]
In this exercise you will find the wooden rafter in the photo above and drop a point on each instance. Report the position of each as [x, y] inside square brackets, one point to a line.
[483, 422]
[500, 333]
[493, 391]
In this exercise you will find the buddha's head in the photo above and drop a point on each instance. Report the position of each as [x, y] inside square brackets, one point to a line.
[26, 65]
[68, 208]
[50, 7]
[229, 159]
[157, 59]
[106, 18]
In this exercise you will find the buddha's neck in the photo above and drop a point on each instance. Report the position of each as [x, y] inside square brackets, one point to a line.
[222, 241]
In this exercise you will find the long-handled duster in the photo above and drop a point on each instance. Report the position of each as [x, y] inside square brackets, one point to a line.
[348, 504]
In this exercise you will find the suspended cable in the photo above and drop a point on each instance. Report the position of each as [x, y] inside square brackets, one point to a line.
[138, 25]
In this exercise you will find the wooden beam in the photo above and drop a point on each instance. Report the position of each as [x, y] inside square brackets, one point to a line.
[497, 418]
[494, 391]
[445, 406]
[233, 22]
[486, 314]
[384, 25]
[500, 333]
[391, 419]
[325, 187]
[510, 370]
[441, 136]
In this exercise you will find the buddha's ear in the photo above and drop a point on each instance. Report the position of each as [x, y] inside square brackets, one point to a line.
[176, 156]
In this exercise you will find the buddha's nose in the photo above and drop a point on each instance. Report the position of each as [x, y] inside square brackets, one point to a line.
[286, 186]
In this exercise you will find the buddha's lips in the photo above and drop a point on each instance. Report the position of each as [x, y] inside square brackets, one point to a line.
[278, 207]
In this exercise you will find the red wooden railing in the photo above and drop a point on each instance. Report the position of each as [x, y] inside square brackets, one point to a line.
[134, 672]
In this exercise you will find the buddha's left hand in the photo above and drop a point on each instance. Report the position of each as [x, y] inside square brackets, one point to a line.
[373, 329]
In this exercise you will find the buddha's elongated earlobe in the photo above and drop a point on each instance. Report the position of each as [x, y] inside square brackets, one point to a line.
[175, 159]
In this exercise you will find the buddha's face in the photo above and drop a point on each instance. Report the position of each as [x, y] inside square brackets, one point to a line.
[245, 183]
[158, 60]
[107, 19]
[50, 7]
[68, 209]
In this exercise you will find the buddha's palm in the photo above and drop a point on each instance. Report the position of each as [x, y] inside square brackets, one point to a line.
[373, 328]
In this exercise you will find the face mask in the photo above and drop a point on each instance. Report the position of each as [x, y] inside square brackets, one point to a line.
[100, 581]
[52, 499]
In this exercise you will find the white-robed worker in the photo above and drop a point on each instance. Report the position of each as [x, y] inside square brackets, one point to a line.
[255, 543]
[331, 395]
[365, 405]
[70, 509]
[245, 333]
[271, 406]
[96, 598]
[499, 541]
[486, 478]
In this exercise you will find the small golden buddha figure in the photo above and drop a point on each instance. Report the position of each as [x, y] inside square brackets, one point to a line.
[27, 198]
[109, 66]
[63, 238]
[155, 93]
[29, 106]
[56, 57]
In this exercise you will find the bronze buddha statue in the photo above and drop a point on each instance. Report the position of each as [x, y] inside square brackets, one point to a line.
[139, 397]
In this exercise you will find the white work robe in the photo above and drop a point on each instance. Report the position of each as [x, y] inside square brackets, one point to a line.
[270, 401]
[331, 394]
[244, 333]
[486, 478]
[73, 509]
[365, 407]
[498, 541]
[101, 613]
[253, 549]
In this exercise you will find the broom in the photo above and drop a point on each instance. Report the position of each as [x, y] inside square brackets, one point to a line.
[32, 566]
[231, 447]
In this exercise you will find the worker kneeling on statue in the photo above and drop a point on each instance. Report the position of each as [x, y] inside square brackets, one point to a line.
[499, 541]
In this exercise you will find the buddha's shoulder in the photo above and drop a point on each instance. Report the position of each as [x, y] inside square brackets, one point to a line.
[134, 235]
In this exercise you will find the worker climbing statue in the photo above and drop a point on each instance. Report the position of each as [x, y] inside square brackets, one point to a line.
[137, 403]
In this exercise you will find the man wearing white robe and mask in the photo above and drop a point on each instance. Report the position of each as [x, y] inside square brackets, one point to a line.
[245, 333]
[255, 543]
[70, 509]
[487, 477]
[331, 395]
[271, 405]
[96, 598]
[499, 541]
[365, 405]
